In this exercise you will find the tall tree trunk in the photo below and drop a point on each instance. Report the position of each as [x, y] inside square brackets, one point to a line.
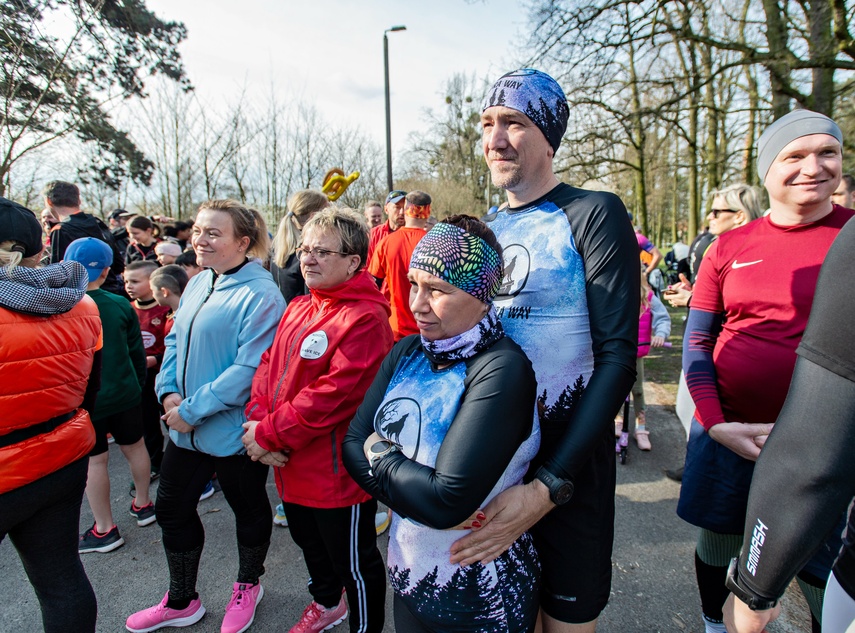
[776, 36]
[748, 170]
[822, 49]
[639, 139]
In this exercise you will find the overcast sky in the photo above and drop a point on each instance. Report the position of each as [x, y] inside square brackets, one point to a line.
[330, 52]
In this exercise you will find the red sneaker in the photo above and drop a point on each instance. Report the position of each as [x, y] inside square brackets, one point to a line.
[316, 618]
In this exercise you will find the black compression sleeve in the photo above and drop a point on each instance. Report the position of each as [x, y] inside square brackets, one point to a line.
[605, 239]
[803, 481]
[805, 475]
[494, 418]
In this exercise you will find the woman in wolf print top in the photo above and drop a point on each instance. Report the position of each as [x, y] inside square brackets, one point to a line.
[447, 425]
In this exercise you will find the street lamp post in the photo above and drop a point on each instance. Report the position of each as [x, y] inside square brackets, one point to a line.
[400, 27]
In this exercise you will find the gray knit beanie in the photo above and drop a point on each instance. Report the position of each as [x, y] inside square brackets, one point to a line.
[787, 129]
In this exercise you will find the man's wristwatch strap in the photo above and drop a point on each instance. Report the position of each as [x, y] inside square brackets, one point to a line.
[754, 602]
[560, 490]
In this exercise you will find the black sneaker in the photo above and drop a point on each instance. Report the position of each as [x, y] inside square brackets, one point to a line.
[155, 473]
[145, 515]
[91, 542]
[675, 475]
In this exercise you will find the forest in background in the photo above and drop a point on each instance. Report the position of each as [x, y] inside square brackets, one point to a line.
[667, 101]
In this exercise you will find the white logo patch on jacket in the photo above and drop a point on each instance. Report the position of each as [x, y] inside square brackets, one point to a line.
[314, 345]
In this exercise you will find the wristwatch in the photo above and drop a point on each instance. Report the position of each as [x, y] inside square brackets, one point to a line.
[560, 490]
[378, 450]
[754, 603]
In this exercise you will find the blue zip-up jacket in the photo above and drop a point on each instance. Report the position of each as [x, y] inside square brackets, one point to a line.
[222, 327]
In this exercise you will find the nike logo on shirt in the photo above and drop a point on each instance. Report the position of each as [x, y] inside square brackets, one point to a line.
[742, 265]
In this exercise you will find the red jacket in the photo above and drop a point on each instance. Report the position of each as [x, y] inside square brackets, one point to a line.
[45, 364]
[309, 384]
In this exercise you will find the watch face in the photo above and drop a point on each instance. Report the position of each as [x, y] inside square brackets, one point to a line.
[380, 445]
[563, 494]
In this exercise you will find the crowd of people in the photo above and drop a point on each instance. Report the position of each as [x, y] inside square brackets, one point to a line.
[465, 373]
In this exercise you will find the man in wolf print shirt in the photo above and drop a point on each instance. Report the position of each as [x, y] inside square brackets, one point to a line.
[570, 299]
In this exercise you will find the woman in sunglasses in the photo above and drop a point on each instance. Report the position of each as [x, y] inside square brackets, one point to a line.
[308, 386]
[732, 207]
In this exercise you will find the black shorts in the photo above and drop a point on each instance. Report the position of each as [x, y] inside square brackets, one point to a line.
[126, 427]
[574, 543]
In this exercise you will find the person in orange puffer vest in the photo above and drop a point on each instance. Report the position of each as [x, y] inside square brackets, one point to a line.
[50, 339]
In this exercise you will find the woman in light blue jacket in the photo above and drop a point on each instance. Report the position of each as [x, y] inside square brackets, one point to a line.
[227, 319]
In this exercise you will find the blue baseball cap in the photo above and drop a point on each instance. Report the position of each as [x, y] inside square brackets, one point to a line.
[395, 196]
[94, 254]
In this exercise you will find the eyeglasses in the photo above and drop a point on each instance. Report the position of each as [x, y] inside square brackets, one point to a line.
[318, 253]
[717, 212]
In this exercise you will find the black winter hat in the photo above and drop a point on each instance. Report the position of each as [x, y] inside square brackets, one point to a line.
[20, 225]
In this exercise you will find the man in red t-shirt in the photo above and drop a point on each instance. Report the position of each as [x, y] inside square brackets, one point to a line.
[749, 310]
[391, 262]
[394, 220]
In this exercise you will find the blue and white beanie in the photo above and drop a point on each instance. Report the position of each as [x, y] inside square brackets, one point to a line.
[536, 95]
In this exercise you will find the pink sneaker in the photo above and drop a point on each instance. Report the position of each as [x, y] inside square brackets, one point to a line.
[316, 618]
[160, 615]
[642, 438]
[241, 609]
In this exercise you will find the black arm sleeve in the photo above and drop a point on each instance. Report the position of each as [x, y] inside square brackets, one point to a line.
[805, 475]
[803, 481]
[612, 272]
[494, 418]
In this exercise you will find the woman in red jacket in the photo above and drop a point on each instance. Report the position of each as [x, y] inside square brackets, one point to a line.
[49, 333]
[309, 384]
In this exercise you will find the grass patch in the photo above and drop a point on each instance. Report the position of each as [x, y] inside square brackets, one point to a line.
[662, 365]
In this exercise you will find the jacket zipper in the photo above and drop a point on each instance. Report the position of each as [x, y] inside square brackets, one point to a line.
[334, 453]
[189, 333]
[291, 351]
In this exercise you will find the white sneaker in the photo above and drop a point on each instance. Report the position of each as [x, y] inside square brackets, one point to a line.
[381, 521]
[279, 518]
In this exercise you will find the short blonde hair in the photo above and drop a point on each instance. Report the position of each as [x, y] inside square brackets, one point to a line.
[743, 198]
[349, 226]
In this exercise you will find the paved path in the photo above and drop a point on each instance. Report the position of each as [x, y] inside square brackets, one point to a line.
[653, 587]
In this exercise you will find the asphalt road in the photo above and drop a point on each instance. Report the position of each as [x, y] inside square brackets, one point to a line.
[653, 588]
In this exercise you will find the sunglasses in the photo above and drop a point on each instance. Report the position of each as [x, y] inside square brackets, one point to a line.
[717, 212]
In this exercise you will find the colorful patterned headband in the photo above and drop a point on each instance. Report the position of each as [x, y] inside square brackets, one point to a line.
[461, 259]
[419, 211]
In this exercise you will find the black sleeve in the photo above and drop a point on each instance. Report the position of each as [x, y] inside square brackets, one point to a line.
[94, 384]
[803, 481]
[609, 249]
[59, 241]
[494, 418]
[805, 476]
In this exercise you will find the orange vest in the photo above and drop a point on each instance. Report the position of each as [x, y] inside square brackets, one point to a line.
[45, 364]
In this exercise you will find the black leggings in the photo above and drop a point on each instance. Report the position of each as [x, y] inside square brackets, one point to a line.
[340, 549]
[185, 474]
[151, 412]
[42, 519]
